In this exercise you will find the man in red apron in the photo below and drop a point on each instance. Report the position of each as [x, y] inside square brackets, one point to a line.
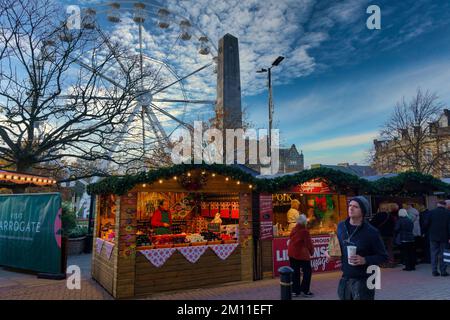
[162, 219]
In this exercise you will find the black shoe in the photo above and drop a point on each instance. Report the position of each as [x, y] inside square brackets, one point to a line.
[408, 269]
[296, 294]
[436, 274]
[444, 274]
[308, 294]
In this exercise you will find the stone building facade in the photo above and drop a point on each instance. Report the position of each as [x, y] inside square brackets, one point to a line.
[435, 145]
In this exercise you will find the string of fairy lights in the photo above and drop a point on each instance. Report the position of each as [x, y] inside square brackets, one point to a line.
[23, 178]
[213, 175]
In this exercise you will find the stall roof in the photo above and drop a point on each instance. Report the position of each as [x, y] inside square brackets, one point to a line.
[345, 183]
[379, 176]
[246, 169]
[278, 175]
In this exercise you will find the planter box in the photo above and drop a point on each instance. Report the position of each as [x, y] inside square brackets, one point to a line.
[75, 245]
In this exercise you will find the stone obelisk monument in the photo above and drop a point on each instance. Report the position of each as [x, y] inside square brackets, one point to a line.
[228, 107]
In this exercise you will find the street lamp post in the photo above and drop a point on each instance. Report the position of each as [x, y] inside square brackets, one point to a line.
[269, 84]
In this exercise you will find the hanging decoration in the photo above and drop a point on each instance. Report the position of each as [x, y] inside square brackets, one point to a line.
[193, 182]
[192, 254]
[158, 256]
[223, 251]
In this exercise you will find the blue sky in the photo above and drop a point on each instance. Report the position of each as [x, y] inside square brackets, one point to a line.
[339, 81]
[334, 113]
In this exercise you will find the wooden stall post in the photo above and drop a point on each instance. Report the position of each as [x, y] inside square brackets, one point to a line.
[126, 256]
[246, 235]
[96, 215]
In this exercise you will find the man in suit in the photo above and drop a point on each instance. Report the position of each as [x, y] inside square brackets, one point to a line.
[438, 226]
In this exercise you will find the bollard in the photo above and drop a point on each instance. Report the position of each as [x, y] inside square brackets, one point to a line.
[286, 282]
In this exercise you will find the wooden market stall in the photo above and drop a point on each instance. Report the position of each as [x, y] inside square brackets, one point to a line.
[129, 257]
[323, 195]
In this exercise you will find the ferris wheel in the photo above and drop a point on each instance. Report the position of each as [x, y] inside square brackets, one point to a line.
[174, 62]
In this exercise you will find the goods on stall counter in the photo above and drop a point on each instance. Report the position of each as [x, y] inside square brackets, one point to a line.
[199, 224]
[169, 239]
[143, 240]
[231, 229]
[195, 237]
[217, 219]
[210, 236]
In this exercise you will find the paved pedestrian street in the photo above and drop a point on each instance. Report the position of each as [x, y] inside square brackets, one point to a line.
[395, 285]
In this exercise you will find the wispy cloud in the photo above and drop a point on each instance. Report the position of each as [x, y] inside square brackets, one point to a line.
[340, 142]
[311, 34]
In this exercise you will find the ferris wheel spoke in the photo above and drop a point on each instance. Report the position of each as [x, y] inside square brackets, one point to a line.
[185, 101]
[112, 49]
[157, 128]
[181, 79]
[187, 125]
[164, 62]
[94, 71]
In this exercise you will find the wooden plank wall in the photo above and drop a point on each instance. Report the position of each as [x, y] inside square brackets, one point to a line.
[178, 273]
[126, 253]
[102, 269]
[343, 210]
[246, 236]
[267, 259]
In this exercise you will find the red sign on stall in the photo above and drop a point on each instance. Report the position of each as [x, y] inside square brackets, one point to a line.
[318, 260]
[266, 216]
[313, 186]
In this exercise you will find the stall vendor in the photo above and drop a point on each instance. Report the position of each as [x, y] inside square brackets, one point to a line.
[162, 219]
[293, 214]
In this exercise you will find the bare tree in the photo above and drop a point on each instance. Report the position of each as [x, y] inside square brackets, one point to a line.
[57, 107]
[408, 138]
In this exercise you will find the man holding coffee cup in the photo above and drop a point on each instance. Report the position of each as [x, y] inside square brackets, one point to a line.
[361, 247]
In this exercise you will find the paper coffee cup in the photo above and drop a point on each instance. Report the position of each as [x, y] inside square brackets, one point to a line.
[351, 251]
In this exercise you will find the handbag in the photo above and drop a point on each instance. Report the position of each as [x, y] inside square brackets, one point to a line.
[334, 248]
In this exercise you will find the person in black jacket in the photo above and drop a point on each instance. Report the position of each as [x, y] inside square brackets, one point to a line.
[425, 236]
[404, 238]
[438, 226]
[370, 251]
[385, 223]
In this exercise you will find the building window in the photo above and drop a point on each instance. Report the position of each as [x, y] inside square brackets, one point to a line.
[428, 154]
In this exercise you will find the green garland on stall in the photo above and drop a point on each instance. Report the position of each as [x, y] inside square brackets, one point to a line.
[342, 182]
[408, 183]
[121, 184]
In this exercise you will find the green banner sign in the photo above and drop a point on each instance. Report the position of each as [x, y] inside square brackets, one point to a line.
[30, 232]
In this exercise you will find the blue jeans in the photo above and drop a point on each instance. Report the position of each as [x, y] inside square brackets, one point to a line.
[437, 256]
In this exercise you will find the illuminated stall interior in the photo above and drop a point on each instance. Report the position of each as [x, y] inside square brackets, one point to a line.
[205, 210]
[323, 207]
